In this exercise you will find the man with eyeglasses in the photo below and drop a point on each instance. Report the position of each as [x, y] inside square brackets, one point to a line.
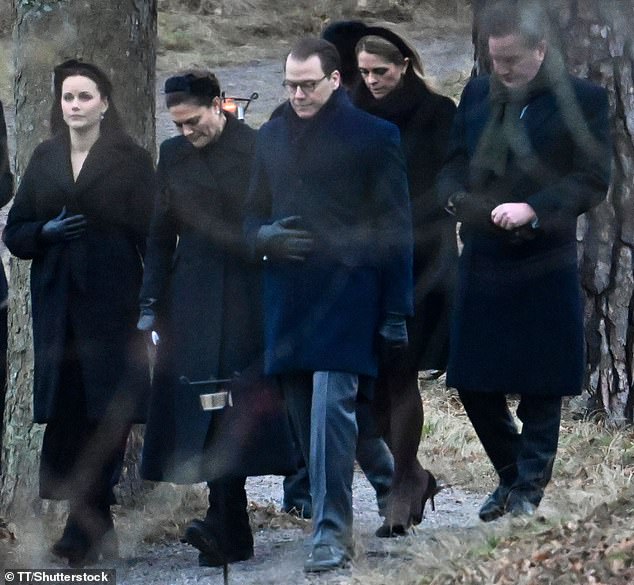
[328, 213]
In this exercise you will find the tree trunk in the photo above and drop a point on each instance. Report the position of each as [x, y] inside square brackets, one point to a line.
[120, 37]
[596, 38]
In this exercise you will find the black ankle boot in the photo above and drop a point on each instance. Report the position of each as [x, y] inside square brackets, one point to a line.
[88, 536]
[200, 535]
[74, 543]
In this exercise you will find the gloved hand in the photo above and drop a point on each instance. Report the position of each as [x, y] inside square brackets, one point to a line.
[147, 315]
[284, 240]
[472, 209]
[393, 334]
[63, 227]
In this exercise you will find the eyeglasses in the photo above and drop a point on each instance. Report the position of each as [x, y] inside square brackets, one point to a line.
[306, 86]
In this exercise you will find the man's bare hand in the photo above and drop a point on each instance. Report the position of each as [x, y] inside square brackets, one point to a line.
[510, 216]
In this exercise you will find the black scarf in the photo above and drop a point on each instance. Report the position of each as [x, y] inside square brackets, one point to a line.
[504, 133]
[399, 105]
[300, 127]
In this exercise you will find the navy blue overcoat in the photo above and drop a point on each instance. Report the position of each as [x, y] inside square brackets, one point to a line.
[518, 318]
[344, 173]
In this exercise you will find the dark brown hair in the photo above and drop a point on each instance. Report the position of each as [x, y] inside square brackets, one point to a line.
[328, 55]
[193, 86]
[111, 122]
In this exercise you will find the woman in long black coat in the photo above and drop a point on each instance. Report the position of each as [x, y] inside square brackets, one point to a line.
[393, 88]
[81, 215]
[203, 296]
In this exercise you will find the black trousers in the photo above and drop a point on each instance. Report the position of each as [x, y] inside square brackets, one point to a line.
[523, 460]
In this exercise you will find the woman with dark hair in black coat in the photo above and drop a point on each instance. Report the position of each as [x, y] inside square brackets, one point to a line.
[81, 214]
[393, 88]
[203, 295]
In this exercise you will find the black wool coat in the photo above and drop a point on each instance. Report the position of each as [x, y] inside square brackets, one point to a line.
[87, 288]
[518, 319]
[424, 120]
[209, 306]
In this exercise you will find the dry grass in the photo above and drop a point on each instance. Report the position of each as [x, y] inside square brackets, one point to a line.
[213, 41]
[594, 461]
[583, 531]
[586, 513]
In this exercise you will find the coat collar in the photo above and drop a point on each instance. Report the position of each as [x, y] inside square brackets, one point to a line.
[231, 139]
[230, 152]
[106, 154]
[300, 127]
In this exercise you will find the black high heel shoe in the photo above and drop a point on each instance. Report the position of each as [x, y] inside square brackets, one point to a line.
[427, 488]
[431, 489]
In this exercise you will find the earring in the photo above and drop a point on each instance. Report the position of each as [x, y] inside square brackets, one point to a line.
[218, 111]
[102, 115]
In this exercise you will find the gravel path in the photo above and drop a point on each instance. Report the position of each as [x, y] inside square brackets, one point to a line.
[281, 545]
[280, 552]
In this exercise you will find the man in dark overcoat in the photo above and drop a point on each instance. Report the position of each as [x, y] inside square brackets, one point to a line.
[529, 152]
[328, 212]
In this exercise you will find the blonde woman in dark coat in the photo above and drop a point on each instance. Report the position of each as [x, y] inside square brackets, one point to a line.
[392, 87]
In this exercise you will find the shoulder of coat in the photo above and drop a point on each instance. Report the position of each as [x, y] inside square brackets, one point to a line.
[586, 90]
[242, 137]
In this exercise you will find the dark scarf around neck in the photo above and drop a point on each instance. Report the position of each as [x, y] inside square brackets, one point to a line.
[504, 132]
[398, 106]
[300, 127]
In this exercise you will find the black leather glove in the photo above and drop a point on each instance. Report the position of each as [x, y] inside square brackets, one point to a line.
[283, 240]
[393, 334]
[147, 315]
[63, 227]
[472, 209]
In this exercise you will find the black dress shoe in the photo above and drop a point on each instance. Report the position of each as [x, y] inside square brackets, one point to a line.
[200, 536]
[494, 506]
[326, 557]
[518, 504]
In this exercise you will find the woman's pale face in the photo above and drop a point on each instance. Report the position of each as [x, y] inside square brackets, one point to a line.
[201, 125]
[82, 104]
[379, 75]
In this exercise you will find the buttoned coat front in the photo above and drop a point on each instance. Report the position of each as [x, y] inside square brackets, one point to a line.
[89, 285]
[344, 174]
[518, 318]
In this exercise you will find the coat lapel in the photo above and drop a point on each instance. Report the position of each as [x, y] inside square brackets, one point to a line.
[230, 158]
[60, 167]
[104, 156]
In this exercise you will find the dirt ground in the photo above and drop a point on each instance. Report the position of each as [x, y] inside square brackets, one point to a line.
[280, 541]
